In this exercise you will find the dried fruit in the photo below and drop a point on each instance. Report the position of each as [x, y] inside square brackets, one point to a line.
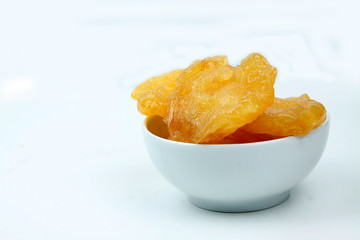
[242, 136]
[153, 95]
[294, 116]
[212, 99]
[213, 102]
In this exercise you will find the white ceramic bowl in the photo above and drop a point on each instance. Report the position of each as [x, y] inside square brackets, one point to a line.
[235, 177]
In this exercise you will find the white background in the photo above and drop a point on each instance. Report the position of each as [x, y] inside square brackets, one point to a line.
[73, 163]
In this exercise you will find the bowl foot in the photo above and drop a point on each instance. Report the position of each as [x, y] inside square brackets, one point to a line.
[240, 206]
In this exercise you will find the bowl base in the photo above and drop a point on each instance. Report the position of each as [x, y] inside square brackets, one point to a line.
[240, 206]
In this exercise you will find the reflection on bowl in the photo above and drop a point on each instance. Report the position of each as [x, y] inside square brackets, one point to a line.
[235, 177]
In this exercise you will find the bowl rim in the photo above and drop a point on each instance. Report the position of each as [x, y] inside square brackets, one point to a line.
[273, 141]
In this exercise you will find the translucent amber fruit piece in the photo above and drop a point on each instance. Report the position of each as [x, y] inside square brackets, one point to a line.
[294, 116]
[242, 136]
[153, 95]
[212, 99]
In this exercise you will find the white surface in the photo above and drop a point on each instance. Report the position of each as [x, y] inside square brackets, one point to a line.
[72, 160]
[235, 177]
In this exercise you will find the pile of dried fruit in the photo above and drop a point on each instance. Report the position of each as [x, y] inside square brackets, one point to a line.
[213, 102]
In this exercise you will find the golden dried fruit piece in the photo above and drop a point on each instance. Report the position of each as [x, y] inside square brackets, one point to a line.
[242, 136]
[293, 116]
[153, 95]
[212, 99]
